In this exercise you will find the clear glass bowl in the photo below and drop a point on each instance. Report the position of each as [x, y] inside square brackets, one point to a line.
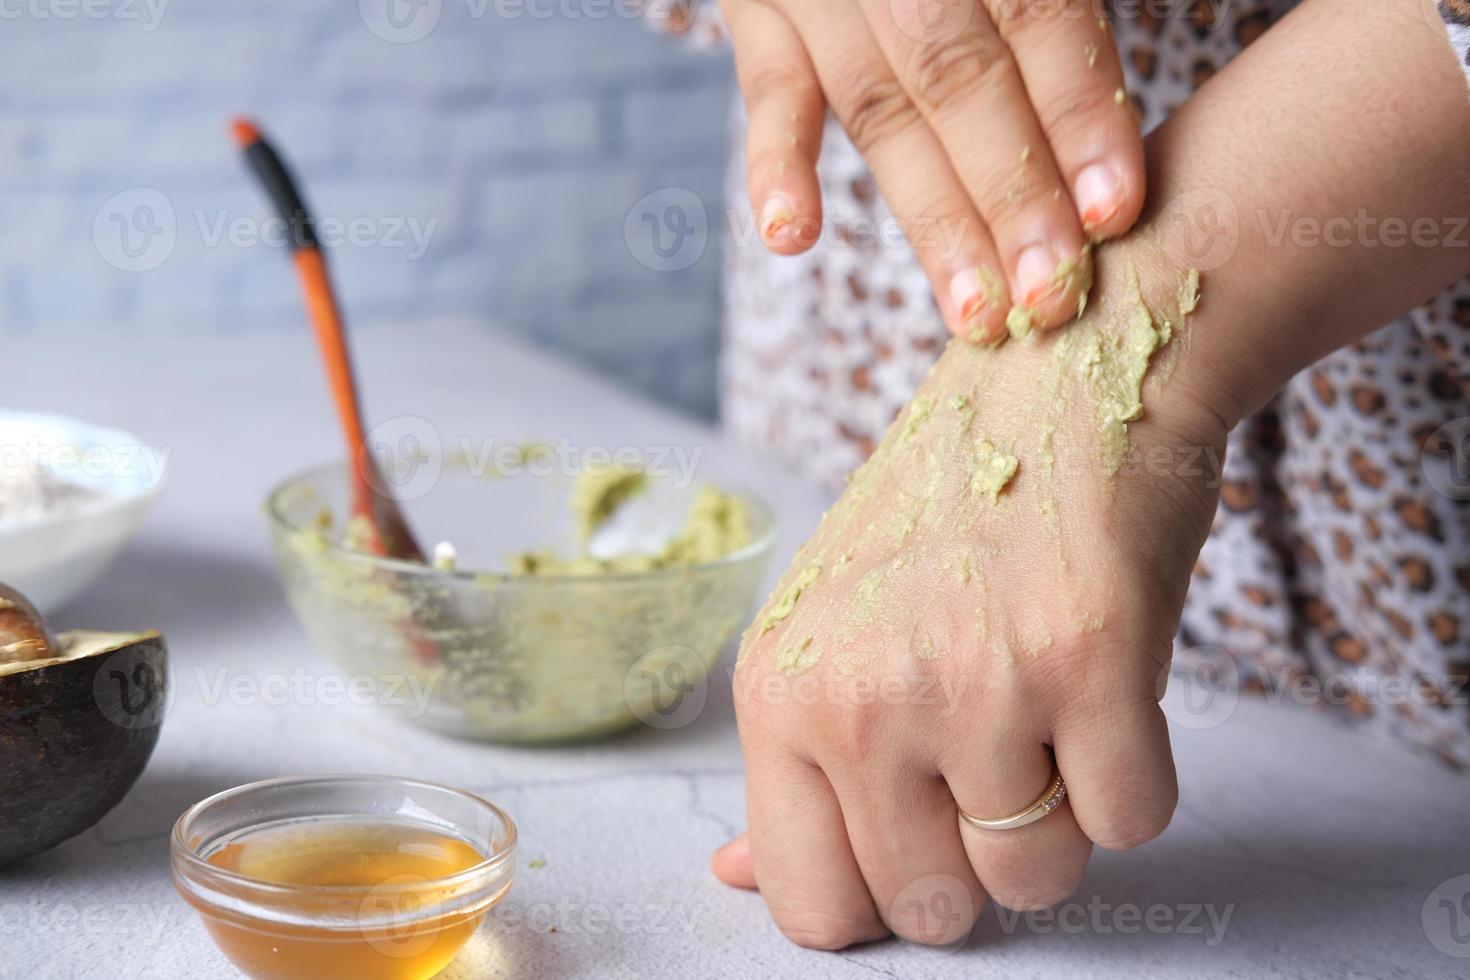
[399, 927]
[504, 657]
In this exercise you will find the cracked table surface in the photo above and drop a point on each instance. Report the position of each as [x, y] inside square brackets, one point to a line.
[1300, 847]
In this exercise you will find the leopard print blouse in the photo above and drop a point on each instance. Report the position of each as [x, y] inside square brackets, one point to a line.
[1338, 568]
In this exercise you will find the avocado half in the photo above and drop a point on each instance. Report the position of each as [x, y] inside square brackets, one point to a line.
[78, 721]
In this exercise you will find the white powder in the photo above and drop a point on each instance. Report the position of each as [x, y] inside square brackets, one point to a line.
[28, 493]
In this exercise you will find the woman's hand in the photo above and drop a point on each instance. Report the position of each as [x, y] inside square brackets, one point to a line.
[996, 130]
[955, 622]
[925, 687]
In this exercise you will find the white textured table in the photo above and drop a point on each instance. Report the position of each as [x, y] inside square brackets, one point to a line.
[1323, 848]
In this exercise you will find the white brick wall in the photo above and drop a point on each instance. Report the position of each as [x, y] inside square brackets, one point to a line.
[524, 138]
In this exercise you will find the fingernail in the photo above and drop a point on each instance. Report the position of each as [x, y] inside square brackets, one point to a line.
[777, 216]
[1099, 194]
[967, 292]
[973, 292]
[1036, 272]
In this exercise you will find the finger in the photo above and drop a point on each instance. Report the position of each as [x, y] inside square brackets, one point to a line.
[786, 110]
[732, 863]
[965, 82]
[918, 182]
[1070, 67]
[1114, 754]
[906, 842]
[803, 864]
[1030, 867]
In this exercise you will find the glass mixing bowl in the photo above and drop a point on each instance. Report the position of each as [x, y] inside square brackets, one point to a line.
[505, 657]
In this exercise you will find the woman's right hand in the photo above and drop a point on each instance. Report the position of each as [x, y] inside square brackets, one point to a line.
[996, 130]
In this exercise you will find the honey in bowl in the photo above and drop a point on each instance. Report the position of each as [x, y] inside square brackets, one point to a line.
[356, 877]
[390, 871]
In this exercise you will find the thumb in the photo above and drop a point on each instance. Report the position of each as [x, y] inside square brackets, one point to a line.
[732, 863]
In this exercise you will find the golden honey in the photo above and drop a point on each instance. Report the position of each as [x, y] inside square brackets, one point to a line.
[367, 900]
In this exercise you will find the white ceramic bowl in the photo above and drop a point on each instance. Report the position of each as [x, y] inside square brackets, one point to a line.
[51, 558]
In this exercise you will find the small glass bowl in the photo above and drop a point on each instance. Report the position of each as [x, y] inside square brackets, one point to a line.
[503, 657]
[406, 927]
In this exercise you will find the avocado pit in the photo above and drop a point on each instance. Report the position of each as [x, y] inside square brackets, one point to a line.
[24, 634]
[79, 716]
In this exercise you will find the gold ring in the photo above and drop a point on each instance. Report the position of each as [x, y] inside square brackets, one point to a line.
[1049, 800]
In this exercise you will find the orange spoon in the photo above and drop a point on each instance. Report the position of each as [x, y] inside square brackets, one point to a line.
[370, 497]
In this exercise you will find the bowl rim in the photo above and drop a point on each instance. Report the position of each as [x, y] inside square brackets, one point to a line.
[197, 868]
[107, 501]
[758, 545]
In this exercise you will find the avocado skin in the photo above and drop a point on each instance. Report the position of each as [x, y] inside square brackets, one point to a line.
[74, 737]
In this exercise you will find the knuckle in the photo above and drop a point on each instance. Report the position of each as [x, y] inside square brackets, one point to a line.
[1080, 111]
[872, 109]
[764, 84]
[944, 73]
[860, 733]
